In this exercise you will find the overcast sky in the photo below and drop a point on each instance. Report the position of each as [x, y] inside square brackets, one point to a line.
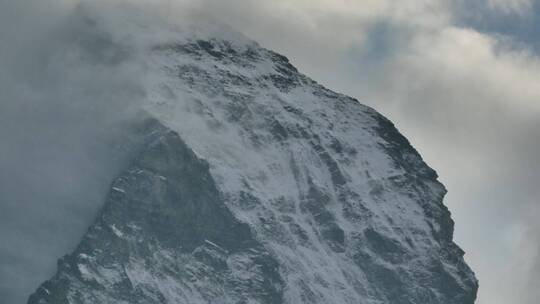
[461, 79]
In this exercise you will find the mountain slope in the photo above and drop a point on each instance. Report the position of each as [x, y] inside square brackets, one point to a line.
[258, 185]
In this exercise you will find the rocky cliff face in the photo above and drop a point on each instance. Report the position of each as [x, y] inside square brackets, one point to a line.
[258, 185]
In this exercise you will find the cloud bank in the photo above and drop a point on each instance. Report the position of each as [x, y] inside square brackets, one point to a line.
[68, 92]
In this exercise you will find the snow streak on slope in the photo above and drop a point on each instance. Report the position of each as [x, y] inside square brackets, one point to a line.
[338, 207]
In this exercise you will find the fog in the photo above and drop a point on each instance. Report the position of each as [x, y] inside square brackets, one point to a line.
[67, 95]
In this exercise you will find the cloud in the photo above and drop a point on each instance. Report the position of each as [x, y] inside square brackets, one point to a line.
[68, 92]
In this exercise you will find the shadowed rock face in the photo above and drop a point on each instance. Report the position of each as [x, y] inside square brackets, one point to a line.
[257, 185]
[163, 231]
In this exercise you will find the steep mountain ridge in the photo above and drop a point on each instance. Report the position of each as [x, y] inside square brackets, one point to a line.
[258, 185]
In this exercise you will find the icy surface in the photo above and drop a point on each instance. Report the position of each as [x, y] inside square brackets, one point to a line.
[307, 195]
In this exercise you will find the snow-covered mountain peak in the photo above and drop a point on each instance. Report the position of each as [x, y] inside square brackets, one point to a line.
[258, 185]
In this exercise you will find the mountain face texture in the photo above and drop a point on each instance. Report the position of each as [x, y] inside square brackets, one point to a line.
[255, 184]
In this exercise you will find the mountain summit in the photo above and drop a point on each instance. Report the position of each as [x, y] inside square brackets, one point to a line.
[255, 184]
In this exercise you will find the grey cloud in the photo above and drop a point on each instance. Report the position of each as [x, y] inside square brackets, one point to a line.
[68, 92]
